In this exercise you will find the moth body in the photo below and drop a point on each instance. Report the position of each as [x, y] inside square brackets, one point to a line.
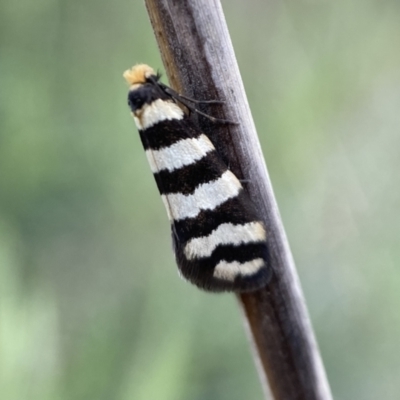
[219, 241]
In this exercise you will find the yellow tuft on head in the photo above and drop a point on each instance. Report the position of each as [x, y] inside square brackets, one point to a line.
[138, 74]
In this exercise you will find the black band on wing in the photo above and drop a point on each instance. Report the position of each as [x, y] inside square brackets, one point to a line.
[237, 211]
[201, 272]
[167, 132]
[185, 180]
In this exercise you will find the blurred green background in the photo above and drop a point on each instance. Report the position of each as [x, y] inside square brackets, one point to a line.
[91, 306]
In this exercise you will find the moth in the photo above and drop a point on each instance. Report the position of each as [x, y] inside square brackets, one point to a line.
[218, 238]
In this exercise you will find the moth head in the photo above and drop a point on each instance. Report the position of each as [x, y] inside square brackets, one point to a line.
[138, 74]
[144, 87]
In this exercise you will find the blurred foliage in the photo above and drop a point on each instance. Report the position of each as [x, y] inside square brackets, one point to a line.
[90, 303]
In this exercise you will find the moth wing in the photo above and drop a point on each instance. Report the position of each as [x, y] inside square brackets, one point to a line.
[218, 239]
[232, 248]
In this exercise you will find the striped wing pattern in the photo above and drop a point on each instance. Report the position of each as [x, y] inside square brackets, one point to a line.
[219, 241]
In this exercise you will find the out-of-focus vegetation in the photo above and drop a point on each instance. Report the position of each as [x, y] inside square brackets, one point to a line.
[90, 303]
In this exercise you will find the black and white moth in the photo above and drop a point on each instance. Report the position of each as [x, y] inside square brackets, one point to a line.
[219, 241]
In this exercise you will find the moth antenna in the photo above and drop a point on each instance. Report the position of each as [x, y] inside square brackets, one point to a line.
[182, 99]
[210, 117]
[178, 96]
